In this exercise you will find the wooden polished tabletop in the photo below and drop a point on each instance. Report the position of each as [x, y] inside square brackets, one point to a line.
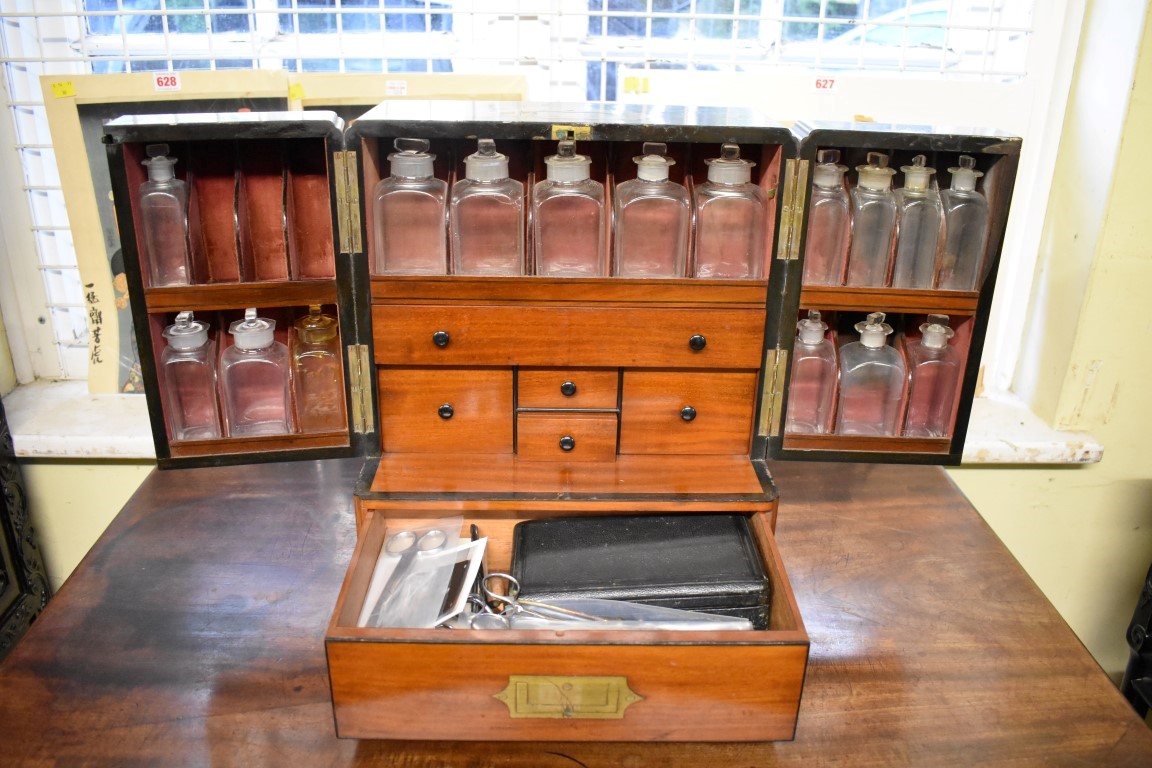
[192, 634]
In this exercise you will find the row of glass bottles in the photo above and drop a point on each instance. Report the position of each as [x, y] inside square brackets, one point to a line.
[258, 379]
[869, 380]
[651, 218]
[912, 237]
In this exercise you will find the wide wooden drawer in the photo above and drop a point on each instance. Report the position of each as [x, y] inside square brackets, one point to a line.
[542, 685]
[425, 410]
[567, 388]
[566, 436]
[687, 412]
[567, 336]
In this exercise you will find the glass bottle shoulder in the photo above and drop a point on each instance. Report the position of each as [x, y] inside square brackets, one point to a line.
[710, 190]
[638, 189]
[921, 354]
[863, 198]
[822, 196]
[822, 350]
[957, 198]
[855, 356]
[907, 198]
[589, 188]
[274, 353]
[508, 189]
[160, 192]
[427, 185]
[199, 355]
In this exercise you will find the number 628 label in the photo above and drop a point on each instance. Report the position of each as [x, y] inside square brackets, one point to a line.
[166, 81]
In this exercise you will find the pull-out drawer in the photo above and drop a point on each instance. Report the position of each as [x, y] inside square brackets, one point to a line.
[577, 685]
[535, 335]
[566, 436]
[571, 388]
[687, 412]
[429, 410]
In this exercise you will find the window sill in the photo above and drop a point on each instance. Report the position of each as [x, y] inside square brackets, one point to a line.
[1003, 430]
[61, 420]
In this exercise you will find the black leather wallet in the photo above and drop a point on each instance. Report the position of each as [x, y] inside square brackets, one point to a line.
[697, 562]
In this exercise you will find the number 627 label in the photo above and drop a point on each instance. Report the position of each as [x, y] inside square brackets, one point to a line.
[166, 81]
[825, 83]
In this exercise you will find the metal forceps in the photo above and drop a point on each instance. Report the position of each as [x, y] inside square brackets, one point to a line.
[489, 618]
[407, 545]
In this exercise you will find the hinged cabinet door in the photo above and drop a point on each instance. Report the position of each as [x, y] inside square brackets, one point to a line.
[263, 216]
[898, 222]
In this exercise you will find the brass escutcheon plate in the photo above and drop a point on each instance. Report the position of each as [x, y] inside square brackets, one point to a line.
[575, 697]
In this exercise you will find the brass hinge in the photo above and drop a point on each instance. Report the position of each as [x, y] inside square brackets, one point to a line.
[772, 396]
[795, 190]
[348, 201]
[360, 388]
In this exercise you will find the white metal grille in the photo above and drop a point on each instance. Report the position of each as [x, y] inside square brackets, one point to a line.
[569, 49]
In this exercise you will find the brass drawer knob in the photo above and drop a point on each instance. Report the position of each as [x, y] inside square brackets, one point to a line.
[567, 443]
[697, 342]
[441, 338]
[688, 413]
[446, 411]
[568, 388]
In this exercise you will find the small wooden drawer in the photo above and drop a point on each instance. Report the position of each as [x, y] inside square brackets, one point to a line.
[567, 388]
[566, 436]
[445, 410]
[561, 336]
[685, 412]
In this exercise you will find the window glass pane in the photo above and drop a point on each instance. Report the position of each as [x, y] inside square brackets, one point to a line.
[56, 249]
[64, 283]
[40, 167]
[48, 207]
[168, 17]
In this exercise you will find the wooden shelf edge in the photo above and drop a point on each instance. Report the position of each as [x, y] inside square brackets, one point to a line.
[890, 299]
[605, 290]
[238, 295]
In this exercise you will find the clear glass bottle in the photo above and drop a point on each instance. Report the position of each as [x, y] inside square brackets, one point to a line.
[254, 380]
[568, 217]
[164, 220]
[317, 373]
[487, 216]
[826, 248]
[651, 219]
[962, 266]
[871, 382]
[934, 370]
[919, 218]
[731, 220]
[812, 387]
[409, 214]
[873, 223]
[188, 375]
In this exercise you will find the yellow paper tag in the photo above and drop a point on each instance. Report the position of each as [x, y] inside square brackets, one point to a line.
[295, 92]
[635, 85]
[574, 132]
[63, 89]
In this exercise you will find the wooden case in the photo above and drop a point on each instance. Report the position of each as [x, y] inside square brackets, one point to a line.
[502, 399]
